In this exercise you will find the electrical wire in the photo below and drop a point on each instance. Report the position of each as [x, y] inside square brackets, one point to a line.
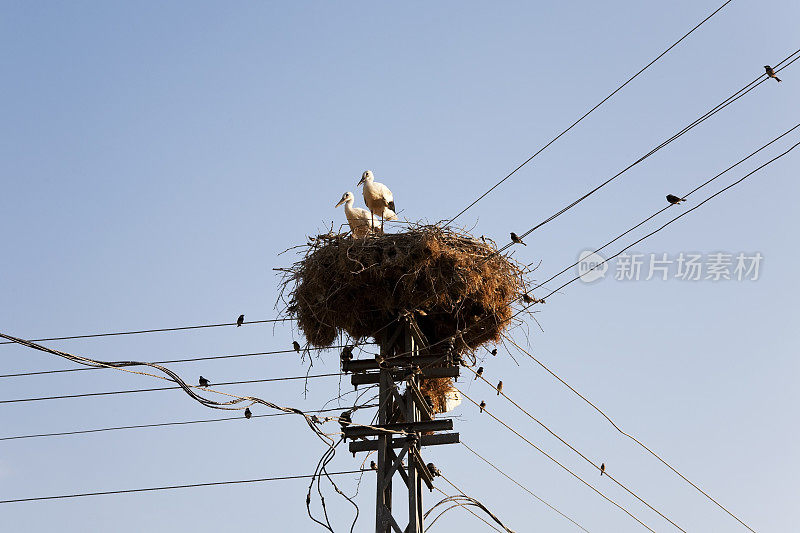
[172, 487]
[465, 507]
[671, 221]
[707, 182]
[464, 501]
[716, 109]
[165, 424]
[604, 100]
[159, 330]
[187, 360]
[580, 454]
[634, 439]
[553, 459]
[520, 485]
[154, 389]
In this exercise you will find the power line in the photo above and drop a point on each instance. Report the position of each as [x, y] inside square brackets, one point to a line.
[776, 139]
[634, 439]
[581, 455]
[164, 424]
[520, 485]
[466, 502]
[154, 389]
[172, 487]
[716, 109]
[604, 100]
[159, 330]
[465, 507]
[553, 459]
[671, 221]
[187, 360]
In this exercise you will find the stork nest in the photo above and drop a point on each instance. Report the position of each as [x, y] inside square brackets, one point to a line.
[454, 284]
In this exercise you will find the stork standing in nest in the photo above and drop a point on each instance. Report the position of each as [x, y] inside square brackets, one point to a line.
[360, 220]
[378, 198]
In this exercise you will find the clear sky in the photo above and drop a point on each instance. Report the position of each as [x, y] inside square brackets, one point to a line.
[157, 157]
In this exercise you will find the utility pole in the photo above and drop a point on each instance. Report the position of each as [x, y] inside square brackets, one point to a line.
[405, 356]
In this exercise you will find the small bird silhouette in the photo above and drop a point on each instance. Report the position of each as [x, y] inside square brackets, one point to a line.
[372, 465]
[671, 198]
[602, 468]
[347, 353]
[296, 346]
[494, 351]
[240, 321]
[345, 419]
[247, 413]
[527, 298]
[479, 373]
[499, 387]
[483, 405]
[771, 73]
[516, 239]
[203, 382]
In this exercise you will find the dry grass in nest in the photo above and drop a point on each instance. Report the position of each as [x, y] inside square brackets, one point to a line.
[436, 389]
[358, 286]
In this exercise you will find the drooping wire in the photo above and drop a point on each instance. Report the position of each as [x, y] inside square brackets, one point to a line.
[465, 500]
[186, 360]
[604, 100]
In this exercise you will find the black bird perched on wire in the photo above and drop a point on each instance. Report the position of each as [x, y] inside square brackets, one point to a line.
[482, 406]
[671, 198]
[347, 353]
[494, 351]
[247, 413]
[515, 239]
[296, 346]
[499, 387]
[527, 298]
[372, 465]
[203, 382]
[479, 373]
[771, 73]
[240, 321]
[602, 468]
[345, 419]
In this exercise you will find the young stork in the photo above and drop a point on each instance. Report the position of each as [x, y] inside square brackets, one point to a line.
[360, 219]
[378, 198]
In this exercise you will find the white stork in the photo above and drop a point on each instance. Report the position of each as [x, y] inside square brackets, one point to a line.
[378, 198]
[360, 219]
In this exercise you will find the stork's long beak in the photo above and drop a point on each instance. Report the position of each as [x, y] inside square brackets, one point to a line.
[360, 182]
[340, 202]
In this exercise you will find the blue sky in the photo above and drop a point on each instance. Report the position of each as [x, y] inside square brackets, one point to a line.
[156, 159]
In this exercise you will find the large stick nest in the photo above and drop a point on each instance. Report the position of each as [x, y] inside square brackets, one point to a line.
[452, 281]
